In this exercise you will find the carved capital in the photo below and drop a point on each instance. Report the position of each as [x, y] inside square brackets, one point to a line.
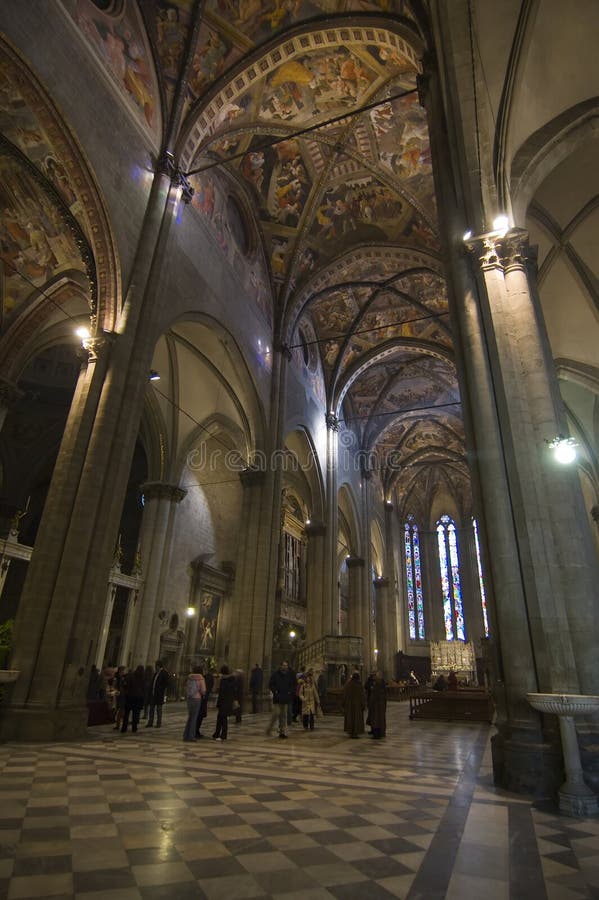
[380, 582]
[332, 421]
[507, 251]
[159, 490]
[98, 345]
[355, 562]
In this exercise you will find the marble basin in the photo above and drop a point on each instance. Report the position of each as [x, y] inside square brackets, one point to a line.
[7, 676]
[565, 704]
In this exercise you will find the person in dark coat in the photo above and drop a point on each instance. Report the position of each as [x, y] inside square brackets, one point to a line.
[239, 692]
[227, 693]
[256, 682]
[377, 707]
[134, 698]
[157, 693]
[209, 679]
[282, 684]
[148, 679]
[354, 704]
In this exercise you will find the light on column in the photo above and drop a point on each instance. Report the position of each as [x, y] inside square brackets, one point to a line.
[83, 332]
[564, 449]
[191, 611]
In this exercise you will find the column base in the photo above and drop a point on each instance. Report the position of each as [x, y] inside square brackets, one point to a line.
[578, 804]
[38, 723]
[527, 766]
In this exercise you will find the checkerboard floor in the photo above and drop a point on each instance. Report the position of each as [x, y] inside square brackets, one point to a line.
[145, 815]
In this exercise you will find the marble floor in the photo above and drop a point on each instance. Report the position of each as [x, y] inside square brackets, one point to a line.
[122, 817]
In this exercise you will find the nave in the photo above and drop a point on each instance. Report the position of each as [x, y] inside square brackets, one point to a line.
[123, 817]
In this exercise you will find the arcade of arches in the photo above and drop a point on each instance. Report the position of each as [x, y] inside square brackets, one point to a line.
[265, 204]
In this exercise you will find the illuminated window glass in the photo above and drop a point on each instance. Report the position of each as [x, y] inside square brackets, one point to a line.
[453, 610]
[414, 580]
[481, 581]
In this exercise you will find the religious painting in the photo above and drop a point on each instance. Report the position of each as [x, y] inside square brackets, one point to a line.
[170, 20]
[278, 176]
[230, 227]
[36, 242]
[121, 45]
[207, 623]
[318, 83]
[256, 20]
[20, 125]
[211, 58]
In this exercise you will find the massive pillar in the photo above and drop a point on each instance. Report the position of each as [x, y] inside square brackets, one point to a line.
[330, 594]
[315, 568]
[395, 636]
[383, 651]
[355, 568]
[60, 612]
[543, 573]
[160, 503]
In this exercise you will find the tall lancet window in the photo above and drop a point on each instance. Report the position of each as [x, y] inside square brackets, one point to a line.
[453, 610]
[414, 580]
[483, 596]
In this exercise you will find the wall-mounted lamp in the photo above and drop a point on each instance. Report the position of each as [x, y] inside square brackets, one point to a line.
[308, 521]
[292, 635]
[154, 375]
[564, 449]
[191, 611]
[501, 226]
[83, 332]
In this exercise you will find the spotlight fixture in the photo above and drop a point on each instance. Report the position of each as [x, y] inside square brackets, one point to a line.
[467, 235]
[154, 375]
[191, 611]
[564, 449]
[501, 224]
[83, 332]
[308, 521]
[292, 635]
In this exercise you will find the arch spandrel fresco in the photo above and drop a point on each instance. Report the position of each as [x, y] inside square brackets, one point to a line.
[120, 44]
[37, 241]
[168, 23]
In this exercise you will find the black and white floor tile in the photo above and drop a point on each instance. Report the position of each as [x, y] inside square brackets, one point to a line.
[145, 815]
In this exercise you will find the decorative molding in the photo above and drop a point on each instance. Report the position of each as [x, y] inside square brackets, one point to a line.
[167, 166]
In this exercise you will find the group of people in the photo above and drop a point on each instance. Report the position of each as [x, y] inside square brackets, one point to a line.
[141, 693]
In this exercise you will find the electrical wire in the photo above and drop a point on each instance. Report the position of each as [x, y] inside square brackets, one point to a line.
[335, 337]
[397, 412]
[272, 142]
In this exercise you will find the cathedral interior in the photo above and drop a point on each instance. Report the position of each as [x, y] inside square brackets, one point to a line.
[299, 302]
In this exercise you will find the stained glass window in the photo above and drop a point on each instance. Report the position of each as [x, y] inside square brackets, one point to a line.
[481, 581]
[414, 580]
[449, 563]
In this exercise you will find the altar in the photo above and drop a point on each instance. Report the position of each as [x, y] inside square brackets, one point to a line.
[456, 656]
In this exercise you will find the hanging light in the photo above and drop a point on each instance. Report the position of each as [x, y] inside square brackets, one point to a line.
[154, 375]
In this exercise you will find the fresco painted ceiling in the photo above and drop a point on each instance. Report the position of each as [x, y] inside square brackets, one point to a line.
[308, 111]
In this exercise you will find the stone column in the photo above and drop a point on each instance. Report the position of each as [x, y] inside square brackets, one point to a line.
[330, 594]
[105, 627]
[384, 657]
[355, 567]
[315, 568]
[62, 604]
[366, 619]
[157, 527]
[9, 394]
[395, 638]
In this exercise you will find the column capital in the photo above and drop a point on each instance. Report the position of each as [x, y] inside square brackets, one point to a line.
[332, 421]
[98, 345]
[381, 582]
[505, 251]
[252, 477]
[355, 562]
[160, 490]
[167, 166]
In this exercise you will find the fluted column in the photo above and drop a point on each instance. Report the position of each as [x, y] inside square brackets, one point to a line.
[157, 528]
